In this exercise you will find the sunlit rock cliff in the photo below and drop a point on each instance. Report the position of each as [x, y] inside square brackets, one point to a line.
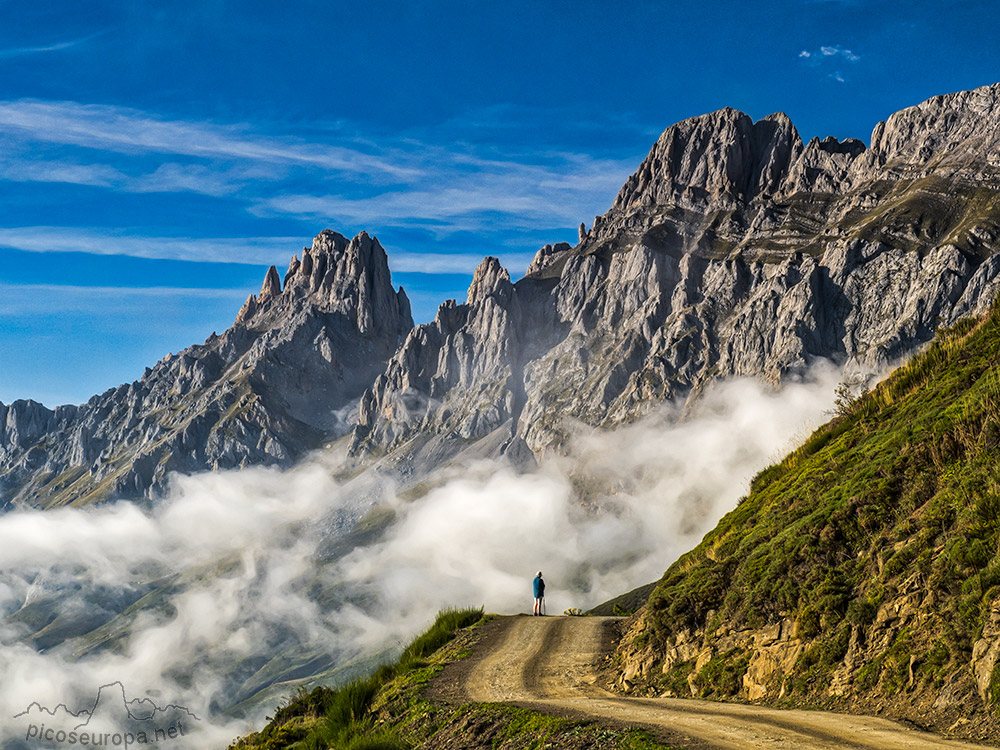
[734, 249]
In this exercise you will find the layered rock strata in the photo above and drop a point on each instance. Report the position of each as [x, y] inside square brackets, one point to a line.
[735, 249]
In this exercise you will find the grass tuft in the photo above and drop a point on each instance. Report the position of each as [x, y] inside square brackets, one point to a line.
[342, 717]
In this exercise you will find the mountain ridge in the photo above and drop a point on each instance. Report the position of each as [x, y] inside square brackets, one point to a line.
[734, 250]
[720, 257]
[246, 397]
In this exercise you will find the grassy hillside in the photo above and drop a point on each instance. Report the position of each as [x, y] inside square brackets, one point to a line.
[388, 711]
[862, 571]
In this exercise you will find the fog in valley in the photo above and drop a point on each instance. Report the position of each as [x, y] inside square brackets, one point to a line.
[236, 578]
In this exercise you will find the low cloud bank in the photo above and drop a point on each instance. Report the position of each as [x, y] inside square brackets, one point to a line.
[229, 581]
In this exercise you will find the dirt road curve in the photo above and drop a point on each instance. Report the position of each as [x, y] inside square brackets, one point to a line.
[552, 664]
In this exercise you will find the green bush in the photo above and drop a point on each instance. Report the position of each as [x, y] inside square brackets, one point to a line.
[722, 676]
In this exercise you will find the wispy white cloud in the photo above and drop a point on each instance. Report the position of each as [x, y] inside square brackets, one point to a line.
[827, 55]
[44, 48]
[20, 300]
[171, 177]
[454, 263]
[258, 250]
[828, 51]
[70, 172]
[255, 250]
[401, 182]
[526, 196]
[838, 51]
[418, 204]
[462, 193]
[130, 131]
[167, 177]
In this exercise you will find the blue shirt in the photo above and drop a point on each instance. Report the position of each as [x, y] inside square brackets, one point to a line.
[539, 586]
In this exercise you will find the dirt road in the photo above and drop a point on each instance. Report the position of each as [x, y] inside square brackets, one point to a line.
[552, 664]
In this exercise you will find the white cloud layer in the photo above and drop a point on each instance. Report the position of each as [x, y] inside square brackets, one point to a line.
[18, 300]
[246, 548]
[251, 250]
[130, 131]
[41, 49]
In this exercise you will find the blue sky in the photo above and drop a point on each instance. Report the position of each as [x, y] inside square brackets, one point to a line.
[156, 157]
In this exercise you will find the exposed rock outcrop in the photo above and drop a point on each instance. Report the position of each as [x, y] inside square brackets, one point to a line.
[273, 386]
[733, 250]
[549, 255]
[472, 354]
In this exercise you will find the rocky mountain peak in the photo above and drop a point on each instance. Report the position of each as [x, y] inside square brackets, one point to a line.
[774, 145]
[942, 126]
[549, 254]
[821, 167]
[23, 422]
[720, 183]
[338, 275]
[830, 145]
[707, 178]
[271, 286]
[331, 243]
[722, 157]
[490, 279]
[733, 250]
[267, 390]
[248, 310]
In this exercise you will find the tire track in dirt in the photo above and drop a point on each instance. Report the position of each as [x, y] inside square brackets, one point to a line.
[552, 664]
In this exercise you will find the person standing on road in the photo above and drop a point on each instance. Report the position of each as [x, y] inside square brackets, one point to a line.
[539, 589]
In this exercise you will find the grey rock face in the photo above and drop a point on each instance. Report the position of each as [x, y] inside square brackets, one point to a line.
[822, 166]
[733, 250]
[270, 388]
[549, 255]
[459, 374]
[940, 132]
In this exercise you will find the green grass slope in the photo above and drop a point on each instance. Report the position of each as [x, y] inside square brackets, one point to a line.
[863, 570]
[387, 710]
